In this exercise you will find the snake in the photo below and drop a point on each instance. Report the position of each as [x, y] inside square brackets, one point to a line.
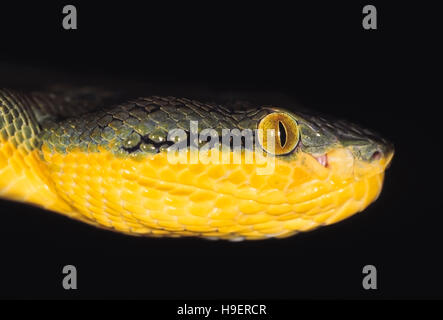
[81, 153]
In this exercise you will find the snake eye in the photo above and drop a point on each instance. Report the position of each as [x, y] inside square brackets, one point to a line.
[286, 135]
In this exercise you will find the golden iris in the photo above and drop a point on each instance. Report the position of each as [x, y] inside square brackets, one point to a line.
[285, 134]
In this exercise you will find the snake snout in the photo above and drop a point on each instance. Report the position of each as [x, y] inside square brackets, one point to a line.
[380, 151]
[388, 154]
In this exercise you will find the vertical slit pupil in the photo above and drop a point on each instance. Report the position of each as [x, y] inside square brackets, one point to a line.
[282, 134]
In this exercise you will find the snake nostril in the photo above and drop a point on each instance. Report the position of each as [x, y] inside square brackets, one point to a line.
[376, 156]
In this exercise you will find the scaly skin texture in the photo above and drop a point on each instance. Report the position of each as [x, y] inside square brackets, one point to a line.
[108, 166]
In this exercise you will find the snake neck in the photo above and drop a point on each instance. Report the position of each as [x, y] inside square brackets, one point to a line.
[23, 174]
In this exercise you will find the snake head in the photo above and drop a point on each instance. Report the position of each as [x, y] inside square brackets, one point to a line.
[112, 168]
[323, 138]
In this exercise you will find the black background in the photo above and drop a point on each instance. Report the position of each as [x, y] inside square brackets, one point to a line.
[316, 54]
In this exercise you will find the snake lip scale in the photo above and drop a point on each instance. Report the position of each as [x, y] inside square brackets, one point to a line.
[83, 153]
